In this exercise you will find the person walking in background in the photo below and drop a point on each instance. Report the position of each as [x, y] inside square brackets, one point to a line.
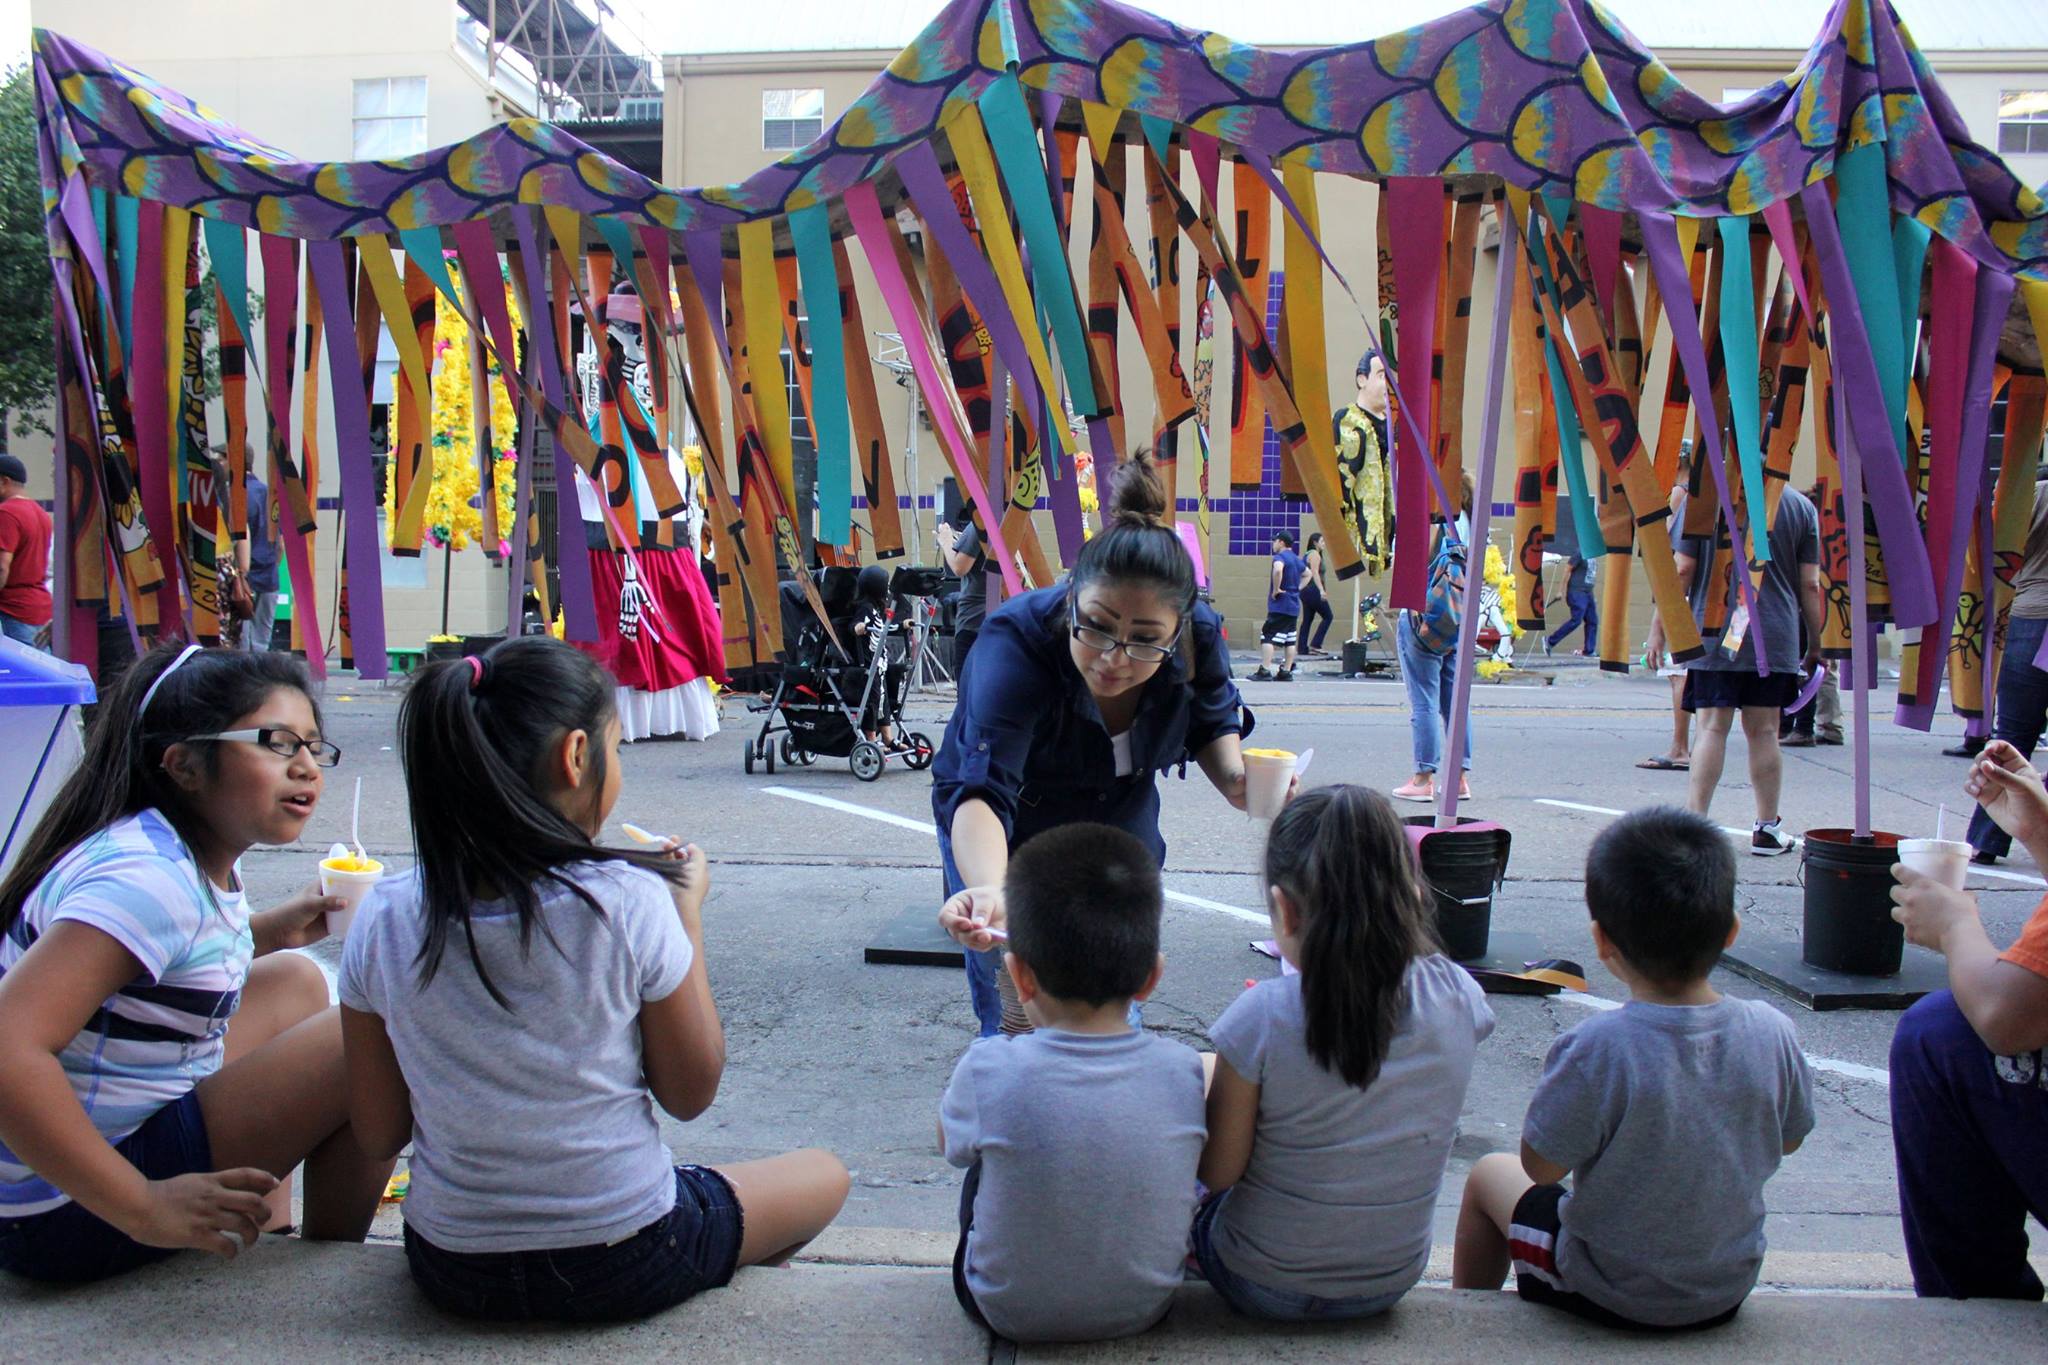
[1282, 629]
[1578, 599]
[2021, 712]
[1679, 757]
[1427, 642]
[25, 605]
[969, 563]
[1724, 681]
[256, 557]
[1315, 605]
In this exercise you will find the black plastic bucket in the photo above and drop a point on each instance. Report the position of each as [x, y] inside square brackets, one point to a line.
[1849, 924]
[1462, 869]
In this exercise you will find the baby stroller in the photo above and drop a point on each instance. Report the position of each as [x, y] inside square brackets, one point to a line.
[829, 698]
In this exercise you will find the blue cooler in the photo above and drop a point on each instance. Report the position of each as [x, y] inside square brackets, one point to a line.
[40, 736]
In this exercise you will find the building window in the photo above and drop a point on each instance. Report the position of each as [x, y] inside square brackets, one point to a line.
[390, 117]
[2023, 122]
[791, 119]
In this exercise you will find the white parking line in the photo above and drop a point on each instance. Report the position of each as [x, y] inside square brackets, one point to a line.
[1975, 870]
[926, 827]
[1584, 999]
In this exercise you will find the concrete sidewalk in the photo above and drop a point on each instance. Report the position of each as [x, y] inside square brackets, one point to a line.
[289, 1300]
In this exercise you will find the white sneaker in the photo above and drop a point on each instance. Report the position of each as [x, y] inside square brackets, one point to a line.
[1768, 841]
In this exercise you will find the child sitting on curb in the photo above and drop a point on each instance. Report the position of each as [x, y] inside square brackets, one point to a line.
[1669, 1113]
[1080, 1138]
[1337, 1090]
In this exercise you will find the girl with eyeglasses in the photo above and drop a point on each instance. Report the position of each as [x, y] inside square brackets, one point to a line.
[133, 1121]
[1076, 698]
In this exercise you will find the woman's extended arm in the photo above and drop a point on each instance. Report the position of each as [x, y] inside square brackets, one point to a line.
[981, 854]
[1222, 762]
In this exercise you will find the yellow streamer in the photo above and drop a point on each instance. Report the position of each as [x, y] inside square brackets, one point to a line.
[762, 298]
[396, 308]
[1306, 345]
[978, 167]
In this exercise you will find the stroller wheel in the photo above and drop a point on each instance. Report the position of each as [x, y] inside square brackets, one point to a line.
[747, 757]
[792, 756]
[768, 757]
[866, 760]
[919, 751]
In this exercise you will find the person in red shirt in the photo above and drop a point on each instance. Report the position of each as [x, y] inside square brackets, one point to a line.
[24, 556]
[1969, 1068]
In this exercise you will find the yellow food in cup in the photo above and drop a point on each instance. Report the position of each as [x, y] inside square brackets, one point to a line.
[1268, 753]
[352, 864]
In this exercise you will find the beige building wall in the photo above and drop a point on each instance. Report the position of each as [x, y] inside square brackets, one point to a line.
[713, 136]
[285, 73]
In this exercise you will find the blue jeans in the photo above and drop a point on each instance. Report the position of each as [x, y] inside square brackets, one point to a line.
[1970, 1131]
[1263, 1301]
[2022, 714]
[693, 1247]
[1429, 679]
[18, 630]
[1580, 604]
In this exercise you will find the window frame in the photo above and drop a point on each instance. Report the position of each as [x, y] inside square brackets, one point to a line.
[795, 129]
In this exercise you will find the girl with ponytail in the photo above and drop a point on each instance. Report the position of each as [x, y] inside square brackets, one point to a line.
[134, 1121]
[516, 1010]
[1338, 1085]
[1076, 698]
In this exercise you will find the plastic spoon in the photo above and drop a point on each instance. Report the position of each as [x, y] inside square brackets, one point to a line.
[641, 836]
[355, 821]
[1301, 764]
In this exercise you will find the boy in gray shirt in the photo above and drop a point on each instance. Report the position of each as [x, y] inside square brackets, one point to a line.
[1669, 1114]
[1079, 1139]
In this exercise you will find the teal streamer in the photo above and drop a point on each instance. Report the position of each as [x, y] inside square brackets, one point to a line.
[1023, 170]
[811, 230]
[1863, 214]
[619, 238]
[1745, 395]
[1158, 132]
[423, 245]
[227, 247]
[1571, 453]
[1909, 261]
[127, 244]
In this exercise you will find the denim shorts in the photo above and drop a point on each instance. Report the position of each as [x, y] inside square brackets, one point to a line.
[1263, 1301]
[70, 1246]
[694, 1246]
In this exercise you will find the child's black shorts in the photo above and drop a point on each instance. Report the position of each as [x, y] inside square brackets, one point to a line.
[1532, 1239]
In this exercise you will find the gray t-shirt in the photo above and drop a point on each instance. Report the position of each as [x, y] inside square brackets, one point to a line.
[972, 609]
[1795, 540]
[532, 1128]
[1341, 1190]
[1088, 1145]
[1671, 1118]
[2030, 584]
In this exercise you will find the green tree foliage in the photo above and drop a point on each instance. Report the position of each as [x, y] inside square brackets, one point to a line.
[27, 363]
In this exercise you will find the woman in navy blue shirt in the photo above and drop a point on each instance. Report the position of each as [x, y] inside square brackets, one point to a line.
[1075, 698]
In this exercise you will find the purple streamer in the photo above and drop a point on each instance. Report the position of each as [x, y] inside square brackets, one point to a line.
[358, 483]
[1674, 281]
[572, 553]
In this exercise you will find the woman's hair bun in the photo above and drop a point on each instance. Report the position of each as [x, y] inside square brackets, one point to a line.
[1136, 496]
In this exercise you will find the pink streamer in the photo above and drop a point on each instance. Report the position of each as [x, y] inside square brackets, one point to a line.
[1415, 218]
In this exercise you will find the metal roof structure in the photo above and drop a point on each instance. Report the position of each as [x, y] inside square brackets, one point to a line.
[710, 27]
[580, 52]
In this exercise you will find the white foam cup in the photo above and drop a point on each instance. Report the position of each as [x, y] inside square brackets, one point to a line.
[351, 887]
[1945, 860]
[1266, 775]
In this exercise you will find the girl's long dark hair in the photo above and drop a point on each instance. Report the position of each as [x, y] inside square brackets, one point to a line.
[121, 772]
[1342, 857]
[474, 739]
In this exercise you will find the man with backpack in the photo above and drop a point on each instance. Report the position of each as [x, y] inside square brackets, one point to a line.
[1427, 642]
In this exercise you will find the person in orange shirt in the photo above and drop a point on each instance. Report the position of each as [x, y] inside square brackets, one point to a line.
[1969, 1069]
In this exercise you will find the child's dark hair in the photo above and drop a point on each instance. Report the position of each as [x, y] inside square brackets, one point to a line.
[1083, 903]
[1661, 884]
[474, 736]
[121, 771]
[1137, 543]
[1341, 856]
